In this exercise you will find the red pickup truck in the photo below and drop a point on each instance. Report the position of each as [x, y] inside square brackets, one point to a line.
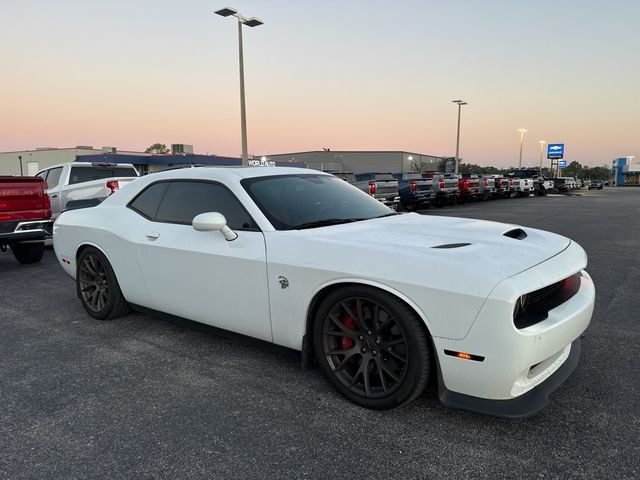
[25, 217]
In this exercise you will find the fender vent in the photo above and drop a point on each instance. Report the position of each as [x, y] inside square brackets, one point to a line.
[516, 233]
[452, 245]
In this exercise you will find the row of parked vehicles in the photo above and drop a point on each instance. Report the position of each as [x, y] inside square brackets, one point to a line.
[29, 205]
[414, 191]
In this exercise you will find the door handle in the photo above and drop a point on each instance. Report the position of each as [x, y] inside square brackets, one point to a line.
[54, 195]
[152, 235]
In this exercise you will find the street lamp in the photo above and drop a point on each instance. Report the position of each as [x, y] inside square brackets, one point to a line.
[522, 132]
[541, 142]
[249, 22]
[460, 103]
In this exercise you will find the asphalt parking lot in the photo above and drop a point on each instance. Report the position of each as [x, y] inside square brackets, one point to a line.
[143, 397]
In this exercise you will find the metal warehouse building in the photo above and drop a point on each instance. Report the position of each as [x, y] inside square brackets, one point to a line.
[362, 161]
[30, 162]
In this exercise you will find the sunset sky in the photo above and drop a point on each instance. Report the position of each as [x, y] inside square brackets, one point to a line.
[346, 75]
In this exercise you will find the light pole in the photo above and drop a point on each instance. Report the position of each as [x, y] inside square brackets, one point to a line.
[541, 142]
[522, 132]
[249, 22]
[460, 103]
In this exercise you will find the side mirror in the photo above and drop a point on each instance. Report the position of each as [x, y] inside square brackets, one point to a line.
[213, 221]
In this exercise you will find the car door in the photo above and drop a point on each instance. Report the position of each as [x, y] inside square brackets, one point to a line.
[52, 177]
[200, 275]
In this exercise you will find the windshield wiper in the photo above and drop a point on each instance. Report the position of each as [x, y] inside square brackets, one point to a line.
[326, 222]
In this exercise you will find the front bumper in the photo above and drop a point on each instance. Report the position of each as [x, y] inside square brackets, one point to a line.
[517, 361]
[526, 404]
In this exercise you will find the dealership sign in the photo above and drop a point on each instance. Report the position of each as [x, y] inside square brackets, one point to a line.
[555, 150]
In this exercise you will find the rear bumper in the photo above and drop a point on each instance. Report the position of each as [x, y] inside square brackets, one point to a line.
[26, 231]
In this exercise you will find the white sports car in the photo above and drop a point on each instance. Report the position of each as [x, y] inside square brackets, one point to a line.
[384, 302]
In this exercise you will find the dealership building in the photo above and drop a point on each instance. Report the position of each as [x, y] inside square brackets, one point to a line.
[626, 171]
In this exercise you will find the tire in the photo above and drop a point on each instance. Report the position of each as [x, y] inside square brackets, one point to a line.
[28, 252]
[372, 347]
[97, 286]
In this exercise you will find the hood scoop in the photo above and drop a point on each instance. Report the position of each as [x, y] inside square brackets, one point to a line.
[452, 245]
[516, 233]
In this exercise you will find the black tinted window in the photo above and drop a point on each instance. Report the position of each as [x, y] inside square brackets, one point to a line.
[81, 174]
[184, 200]
[289, 201]
[148, 201]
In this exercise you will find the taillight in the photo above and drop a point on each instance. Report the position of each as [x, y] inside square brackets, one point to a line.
[486, 182]
[47, 200]
[113, 185]
[526, 182]
[511, 182]
[372, 187]
[465, 184]
[412, 186]
[441, 183]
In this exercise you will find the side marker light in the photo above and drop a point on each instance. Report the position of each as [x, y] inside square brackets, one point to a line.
[464, 355]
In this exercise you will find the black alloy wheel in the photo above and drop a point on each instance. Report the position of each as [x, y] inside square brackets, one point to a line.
[98, 287]
[372, 347]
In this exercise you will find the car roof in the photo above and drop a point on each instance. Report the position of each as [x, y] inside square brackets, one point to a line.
[231, 172]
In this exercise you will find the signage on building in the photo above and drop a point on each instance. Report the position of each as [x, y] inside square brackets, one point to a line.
[449, 165]
[555, 150]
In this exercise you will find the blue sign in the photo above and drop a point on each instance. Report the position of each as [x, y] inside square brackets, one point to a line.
[562, 164]
[555, 150]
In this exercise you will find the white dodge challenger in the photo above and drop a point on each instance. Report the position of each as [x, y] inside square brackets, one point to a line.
[384, 302]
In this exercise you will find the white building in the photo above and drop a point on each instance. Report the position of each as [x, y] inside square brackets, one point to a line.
[30, 162]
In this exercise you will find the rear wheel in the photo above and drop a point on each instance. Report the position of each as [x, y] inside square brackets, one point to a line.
[28, 252]
[98, 287]
[372, 348]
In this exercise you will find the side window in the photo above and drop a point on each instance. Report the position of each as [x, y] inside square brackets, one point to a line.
[147, 202]
[53, 178]
[184, 200]
[42, 174]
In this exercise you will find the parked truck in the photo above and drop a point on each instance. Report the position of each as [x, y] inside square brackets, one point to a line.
[488, 187]
[84, 181]
[541, 185]
[415, 192]
[381, 186]
[468, 187]
[445, 188]
[503, 186]
[25, 217]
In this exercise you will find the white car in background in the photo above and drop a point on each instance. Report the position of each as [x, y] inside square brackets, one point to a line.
[385, 302]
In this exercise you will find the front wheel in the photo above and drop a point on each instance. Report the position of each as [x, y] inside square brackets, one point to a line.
[372, 347]
[98, 287]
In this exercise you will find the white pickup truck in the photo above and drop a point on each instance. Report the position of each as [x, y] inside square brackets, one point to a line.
[84, 181]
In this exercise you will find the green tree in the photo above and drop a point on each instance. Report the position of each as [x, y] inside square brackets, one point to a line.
[574, 169]
[157, 148]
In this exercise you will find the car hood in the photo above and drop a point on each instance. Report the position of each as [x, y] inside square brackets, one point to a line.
[489, 248]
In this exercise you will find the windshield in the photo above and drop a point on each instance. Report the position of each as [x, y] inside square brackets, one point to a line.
[307, 201]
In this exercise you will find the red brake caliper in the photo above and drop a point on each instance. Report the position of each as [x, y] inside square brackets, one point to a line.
[348, 342]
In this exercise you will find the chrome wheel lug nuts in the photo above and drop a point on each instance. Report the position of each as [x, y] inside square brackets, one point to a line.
[364, 350]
